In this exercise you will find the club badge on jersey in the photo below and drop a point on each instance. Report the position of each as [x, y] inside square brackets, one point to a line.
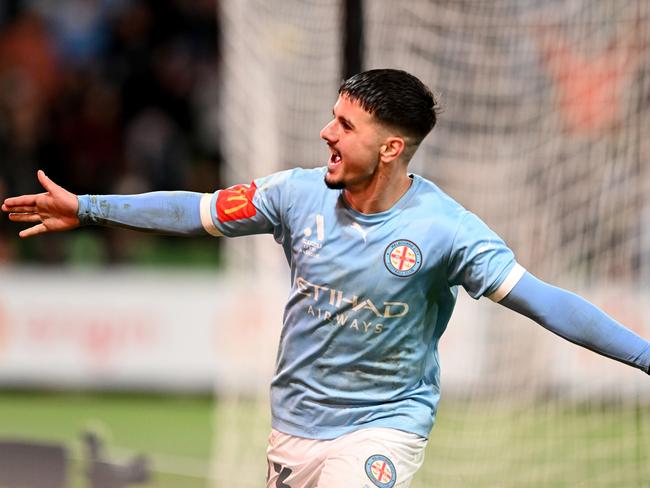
[381, 471]
[403, 258]
[236, 203]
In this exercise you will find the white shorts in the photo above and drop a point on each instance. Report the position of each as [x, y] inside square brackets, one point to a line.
[366, 458]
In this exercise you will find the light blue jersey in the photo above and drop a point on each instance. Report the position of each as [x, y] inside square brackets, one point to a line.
[370, 297]
[370, 294]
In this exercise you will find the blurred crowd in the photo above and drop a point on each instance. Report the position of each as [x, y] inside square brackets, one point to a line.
[106, 96]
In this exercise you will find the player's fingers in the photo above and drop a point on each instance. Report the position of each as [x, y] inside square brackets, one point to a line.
[24, 217]
[21, 201]
[47, 183]
[23, 209]
[32, 231]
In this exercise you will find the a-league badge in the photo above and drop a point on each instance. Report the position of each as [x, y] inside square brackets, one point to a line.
[381, 471]
[403, 258]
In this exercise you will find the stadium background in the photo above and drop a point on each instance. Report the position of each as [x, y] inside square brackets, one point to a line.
[164, 346]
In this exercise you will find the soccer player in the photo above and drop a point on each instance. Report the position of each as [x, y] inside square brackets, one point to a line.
[376, 257]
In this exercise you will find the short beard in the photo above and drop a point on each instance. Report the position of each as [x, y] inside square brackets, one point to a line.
[334, 185]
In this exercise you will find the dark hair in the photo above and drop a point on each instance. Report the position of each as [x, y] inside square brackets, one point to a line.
[397, 98]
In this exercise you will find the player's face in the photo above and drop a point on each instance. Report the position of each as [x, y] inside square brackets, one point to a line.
[354, 139]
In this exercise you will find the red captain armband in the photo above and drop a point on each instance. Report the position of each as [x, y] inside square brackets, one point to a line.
[236, 203]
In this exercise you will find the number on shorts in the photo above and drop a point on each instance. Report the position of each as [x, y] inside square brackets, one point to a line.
[283, 474]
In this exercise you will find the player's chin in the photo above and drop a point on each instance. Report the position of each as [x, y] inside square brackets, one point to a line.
[334, 183]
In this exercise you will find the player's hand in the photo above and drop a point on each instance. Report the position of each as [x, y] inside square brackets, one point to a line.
[52, 211]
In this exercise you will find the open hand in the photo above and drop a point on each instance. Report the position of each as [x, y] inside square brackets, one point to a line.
[53, 211]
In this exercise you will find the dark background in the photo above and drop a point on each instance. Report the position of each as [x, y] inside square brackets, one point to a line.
[105, 97]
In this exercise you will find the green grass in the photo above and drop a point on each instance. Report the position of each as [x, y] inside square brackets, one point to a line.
[175, 431]
[543, 444]
[474, 444]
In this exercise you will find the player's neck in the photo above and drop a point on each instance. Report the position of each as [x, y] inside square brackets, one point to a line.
[378, 195]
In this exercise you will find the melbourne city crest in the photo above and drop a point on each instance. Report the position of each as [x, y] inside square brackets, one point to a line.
[381, 471]
[403, 258]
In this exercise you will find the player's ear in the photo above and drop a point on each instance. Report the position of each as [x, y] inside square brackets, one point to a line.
[391, 149]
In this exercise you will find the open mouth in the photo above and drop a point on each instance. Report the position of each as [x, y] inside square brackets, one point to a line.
[335, 158]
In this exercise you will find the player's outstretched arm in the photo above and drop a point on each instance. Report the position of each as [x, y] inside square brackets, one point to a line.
[161, 212]
[175, 212]
[54, 210]
[578, 321]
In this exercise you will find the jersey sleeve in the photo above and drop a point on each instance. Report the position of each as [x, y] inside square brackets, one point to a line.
[481, 261]
[255, 208]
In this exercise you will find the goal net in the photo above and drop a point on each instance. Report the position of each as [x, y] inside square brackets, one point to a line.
[543, 133]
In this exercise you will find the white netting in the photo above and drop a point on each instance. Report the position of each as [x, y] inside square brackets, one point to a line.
[544, 135]
[280, 76]
[543, 128]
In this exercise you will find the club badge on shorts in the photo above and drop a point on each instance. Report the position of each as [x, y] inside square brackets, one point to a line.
[403, 258]
[381, 471]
